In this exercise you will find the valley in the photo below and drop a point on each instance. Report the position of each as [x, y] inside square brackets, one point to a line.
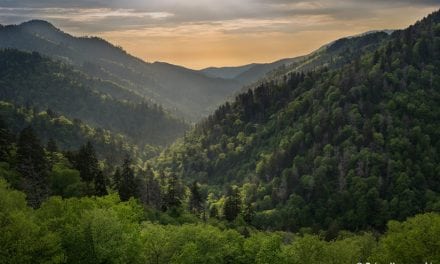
[329, 157]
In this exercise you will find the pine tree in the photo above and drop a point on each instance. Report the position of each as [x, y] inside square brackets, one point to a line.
[117, 179]
[52, 145]
[196, 200]
[232, 205]
[87, 164]
[148, 188]
[213, 213]
[33, 166]
[248, 213]
[173, 198]
[51, 148]
[6, 140]
[127, 186]
[100, 186]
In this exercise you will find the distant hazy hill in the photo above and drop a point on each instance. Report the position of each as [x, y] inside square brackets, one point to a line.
[247, 74]
[227, 72]
[28, 79]
[187, 92]
[336, 50]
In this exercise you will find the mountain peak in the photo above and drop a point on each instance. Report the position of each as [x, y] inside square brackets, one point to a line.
[39, 23]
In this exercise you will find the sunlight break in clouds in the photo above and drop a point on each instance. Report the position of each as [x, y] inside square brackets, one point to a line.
[201, 33]
[81, 14]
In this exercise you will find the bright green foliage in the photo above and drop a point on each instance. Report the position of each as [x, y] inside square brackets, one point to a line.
[413, 241]
[191, 244]
[106, 230]
[66, 182]
[262, 248]
[311, 249]
[95, 230]
[23, 239]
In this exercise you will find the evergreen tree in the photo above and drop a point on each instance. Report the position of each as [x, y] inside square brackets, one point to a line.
[117, 178]
[33, 166]
[100, 186]
[127, 186]
[248, 213]
[213, 213]
[52, 145]
[87, 164]
[232, 205]
[6, 140]
[196, 200]
[174, 195]
[148, 188]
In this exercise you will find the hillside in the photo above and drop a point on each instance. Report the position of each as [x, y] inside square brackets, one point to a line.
[69, 135]
[333, 54]
[248, 74]
[350, 145]
[186, 92]
[32, 80]
[226, 72]
[332, 157]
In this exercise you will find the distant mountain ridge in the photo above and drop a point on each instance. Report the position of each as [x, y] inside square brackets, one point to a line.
[35, 81]
[251, 73]
[188, 93]
[227, 72]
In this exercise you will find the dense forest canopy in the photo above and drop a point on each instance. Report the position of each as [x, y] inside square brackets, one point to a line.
[332, 159]
[346, 147]
[28, 79]
[69, 134]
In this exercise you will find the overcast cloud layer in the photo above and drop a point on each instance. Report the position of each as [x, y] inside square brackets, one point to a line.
[199, 33]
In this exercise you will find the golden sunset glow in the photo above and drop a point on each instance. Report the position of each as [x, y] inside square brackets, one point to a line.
[203, 45]
[204, 33]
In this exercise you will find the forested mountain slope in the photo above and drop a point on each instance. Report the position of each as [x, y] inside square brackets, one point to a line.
[334, 54]
[340, 147]
[69, 135]
[34, 81]
[248, 74]
[227, 72]
[187, 92]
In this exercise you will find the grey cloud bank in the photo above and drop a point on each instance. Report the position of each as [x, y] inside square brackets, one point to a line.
[100, 16]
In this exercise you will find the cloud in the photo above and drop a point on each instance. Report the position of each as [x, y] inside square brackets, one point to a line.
[140, 13]
[198, 32]
[90, 19]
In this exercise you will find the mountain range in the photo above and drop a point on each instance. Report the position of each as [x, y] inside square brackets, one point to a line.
[185, 92]
[331, 157]
[348, 137]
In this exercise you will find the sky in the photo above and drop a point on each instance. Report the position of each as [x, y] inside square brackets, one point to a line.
[203, 33]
